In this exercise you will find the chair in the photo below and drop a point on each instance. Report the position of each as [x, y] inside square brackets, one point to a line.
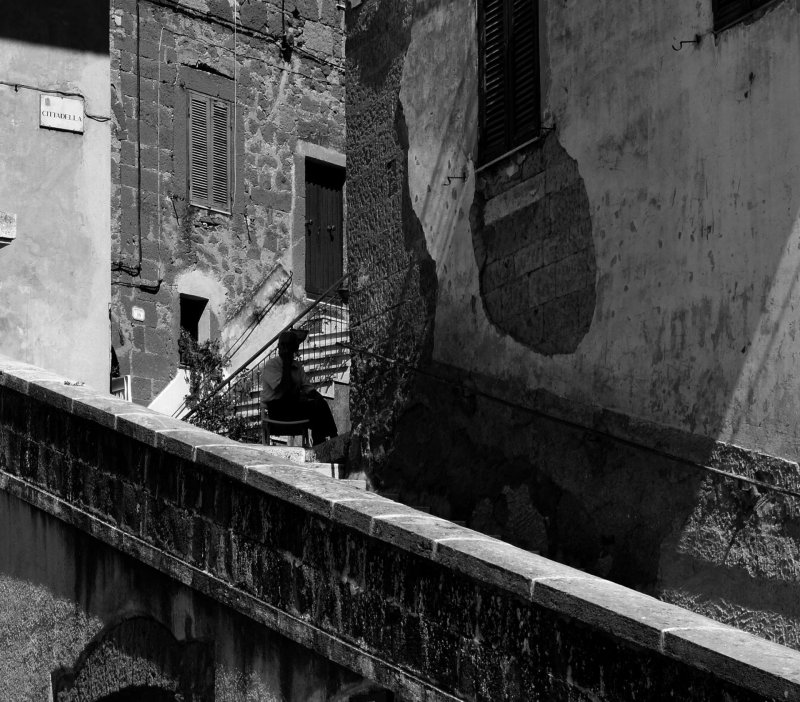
[276, 427]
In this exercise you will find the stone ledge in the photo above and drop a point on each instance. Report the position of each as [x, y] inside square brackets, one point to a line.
[742, 659]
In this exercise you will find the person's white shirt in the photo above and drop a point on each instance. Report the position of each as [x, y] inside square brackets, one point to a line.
[271, 376]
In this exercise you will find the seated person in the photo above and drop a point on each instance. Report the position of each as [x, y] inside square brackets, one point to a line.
[287, 393]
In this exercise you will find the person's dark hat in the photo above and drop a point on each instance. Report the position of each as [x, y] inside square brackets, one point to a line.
[292, 338]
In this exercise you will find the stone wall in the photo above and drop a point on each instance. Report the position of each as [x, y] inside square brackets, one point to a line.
[95, 621]
[611, 314]
[283, 104]
[393, 279]
[420, 605]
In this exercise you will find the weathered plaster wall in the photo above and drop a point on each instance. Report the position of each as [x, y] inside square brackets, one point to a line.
[54, 277]
[60, 588]
[690, 170]
[420, 605]
[278, 105]
[614, 304]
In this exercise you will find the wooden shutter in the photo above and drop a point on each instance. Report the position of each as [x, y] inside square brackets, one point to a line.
[495, 109]
[524, 91]
[220, 155]
[509, 75]
[209, 152]
[198, 149]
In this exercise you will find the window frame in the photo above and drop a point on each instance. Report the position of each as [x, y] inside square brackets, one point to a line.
[512, 135]
[194, 96]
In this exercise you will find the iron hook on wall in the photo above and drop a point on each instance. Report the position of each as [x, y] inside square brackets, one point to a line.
[683, 43]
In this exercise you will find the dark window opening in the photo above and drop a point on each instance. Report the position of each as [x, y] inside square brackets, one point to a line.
[192, 309]
[728, 12]
[324, 226]
[209, 129]
[509, 75]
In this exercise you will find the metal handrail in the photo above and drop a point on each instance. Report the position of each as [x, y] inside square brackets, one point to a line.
[266, 346]
[245, 335]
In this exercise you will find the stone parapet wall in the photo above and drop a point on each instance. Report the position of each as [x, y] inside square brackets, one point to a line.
[432, 610]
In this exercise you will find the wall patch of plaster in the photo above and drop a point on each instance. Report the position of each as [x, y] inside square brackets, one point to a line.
[532, 234]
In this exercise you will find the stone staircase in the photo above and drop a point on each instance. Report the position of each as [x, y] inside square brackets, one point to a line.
[324, 361]
[326, 364]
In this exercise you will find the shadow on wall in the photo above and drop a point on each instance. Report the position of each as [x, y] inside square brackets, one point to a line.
[394, 300]
[703, 344]
[57, 23]
[532, 234]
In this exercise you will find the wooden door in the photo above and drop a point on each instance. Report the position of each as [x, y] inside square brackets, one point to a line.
[324, 226]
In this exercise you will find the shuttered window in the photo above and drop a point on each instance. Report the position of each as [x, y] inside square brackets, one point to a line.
[209, 152]
[509, 62]
[727, 12]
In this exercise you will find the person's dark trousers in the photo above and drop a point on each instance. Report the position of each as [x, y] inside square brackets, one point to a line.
[311, 407]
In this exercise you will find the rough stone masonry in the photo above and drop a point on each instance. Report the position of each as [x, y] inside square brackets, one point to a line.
[160, 51]
[417, 604]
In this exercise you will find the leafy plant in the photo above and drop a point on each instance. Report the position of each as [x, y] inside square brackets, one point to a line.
[206, 364]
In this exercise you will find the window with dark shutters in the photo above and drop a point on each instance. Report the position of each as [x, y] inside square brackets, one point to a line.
[209, 152]
[509, 50]
[728, 12]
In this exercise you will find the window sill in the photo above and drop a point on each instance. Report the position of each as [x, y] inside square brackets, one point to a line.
[210, 209]
[502, 157]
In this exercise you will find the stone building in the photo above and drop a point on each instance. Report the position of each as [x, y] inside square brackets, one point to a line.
[54, 189]
[226, 115]
[573, 231]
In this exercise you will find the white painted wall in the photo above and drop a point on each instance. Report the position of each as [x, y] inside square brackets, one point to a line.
[55, 276]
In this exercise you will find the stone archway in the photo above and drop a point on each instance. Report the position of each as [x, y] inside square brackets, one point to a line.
[135, 660]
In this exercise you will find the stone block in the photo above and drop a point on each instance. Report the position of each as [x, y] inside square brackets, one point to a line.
[497, 273]
[276, 200]
[159, 368]
[127, 153]
[542, 285]
[528, 259]
[150, 180]
[573, 273]
[129, 175]
[129, 84]
[182, 441]
[131, 107]
[138, 337]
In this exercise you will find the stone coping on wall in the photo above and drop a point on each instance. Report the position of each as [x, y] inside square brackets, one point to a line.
[744, 660]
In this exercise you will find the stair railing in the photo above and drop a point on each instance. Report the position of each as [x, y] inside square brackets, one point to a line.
[245, 381]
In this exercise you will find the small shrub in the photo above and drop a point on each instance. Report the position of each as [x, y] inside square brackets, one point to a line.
[206, 364]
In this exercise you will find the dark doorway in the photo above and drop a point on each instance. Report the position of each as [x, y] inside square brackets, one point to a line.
[192, 309]
[324, 225]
